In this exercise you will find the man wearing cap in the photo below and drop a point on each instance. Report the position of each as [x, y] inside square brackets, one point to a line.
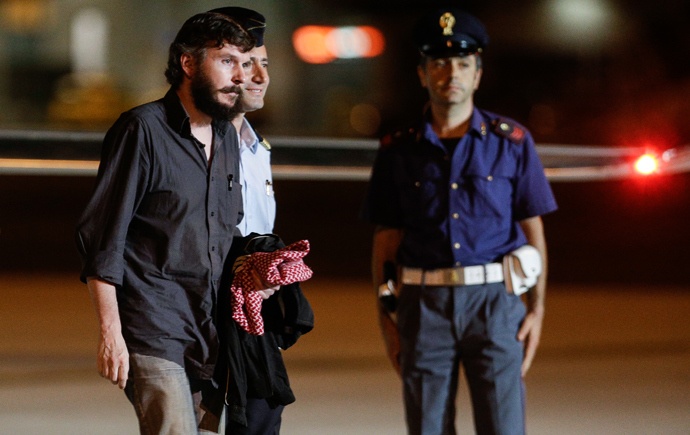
[155, 235]
[258, 200]
[451, 197]
[255, 152]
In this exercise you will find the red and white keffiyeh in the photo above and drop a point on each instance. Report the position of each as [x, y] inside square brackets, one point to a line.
[280, 267]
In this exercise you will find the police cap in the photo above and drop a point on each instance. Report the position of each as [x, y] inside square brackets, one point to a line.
[450, 31]
[251, 21]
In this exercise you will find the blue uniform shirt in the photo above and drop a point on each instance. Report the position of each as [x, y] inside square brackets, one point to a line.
[461, 209]
[257, 184]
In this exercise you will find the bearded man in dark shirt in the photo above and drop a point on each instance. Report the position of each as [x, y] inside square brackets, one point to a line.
[158, 228]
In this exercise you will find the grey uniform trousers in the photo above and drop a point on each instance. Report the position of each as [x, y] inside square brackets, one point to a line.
[441, 327]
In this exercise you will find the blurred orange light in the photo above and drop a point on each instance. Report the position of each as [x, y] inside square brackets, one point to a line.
[646, 164]
[322, 44]
[310, 44]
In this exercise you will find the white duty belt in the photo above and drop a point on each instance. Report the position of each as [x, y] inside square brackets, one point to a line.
[520, 270]
[454, 276]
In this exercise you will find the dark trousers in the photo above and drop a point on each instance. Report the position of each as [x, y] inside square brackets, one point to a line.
[261, 420]
[476, 326]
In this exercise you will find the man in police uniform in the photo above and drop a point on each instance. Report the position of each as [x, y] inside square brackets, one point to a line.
[258, 199]
[451, 197]
[257, 191]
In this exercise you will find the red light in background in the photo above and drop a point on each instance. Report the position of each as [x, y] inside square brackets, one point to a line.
[646, 164]
[323, 44]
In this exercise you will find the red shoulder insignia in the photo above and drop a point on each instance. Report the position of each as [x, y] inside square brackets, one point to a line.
[397, 138]
[510, 130]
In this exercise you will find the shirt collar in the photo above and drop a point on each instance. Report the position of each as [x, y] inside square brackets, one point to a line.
[477, 124]
[178, 118]
[248, 137]
[477, 127]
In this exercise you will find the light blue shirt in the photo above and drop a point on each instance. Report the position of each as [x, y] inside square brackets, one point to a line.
[257, 184]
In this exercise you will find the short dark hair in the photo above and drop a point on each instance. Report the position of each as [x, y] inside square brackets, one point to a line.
[200, 32]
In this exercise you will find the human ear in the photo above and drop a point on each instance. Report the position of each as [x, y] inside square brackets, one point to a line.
[188, 64]
[477, 78]
[422, 75]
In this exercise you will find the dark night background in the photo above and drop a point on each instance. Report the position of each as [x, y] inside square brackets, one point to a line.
[623, 82]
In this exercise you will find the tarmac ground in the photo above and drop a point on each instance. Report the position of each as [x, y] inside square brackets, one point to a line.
[613, 360]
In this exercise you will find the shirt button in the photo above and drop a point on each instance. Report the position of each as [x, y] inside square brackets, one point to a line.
[213, 178]
[458, 264]
[456, 246]
[213, 248]
[417, 184]
[213, 213]
[454, 186]
[456, 215]
[490, 177]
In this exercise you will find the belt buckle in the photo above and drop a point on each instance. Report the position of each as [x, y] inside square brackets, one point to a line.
[452, 277]
[474, 275]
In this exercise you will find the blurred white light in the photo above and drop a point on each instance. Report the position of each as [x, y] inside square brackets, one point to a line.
[89, 45]
[580, 22]
[348, 42]
[646, 164]
[581, 13]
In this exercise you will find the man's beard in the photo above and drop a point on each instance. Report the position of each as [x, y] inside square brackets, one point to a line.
[205, 100]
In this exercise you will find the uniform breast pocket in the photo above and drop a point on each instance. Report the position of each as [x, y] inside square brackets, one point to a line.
[489, 195]
[420, 189]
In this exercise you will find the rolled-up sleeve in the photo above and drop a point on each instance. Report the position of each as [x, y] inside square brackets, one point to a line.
[120, 185]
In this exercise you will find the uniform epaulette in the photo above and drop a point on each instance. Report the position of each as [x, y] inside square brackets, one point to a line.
[510, 130]
[399, 136]
[262, 141]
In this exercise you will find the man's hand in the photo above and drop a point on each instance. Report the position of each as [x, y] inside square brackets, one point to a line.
[266, 290]
[529, 334]
[113, 358]
[386, 242]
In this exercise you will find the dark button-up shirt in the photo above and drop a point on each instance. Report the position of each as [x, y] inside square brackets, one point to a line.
[159, 226]
[461, 209]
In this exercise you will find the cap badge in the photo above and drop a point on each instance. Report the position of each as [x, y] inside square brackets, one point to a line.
[447, 22]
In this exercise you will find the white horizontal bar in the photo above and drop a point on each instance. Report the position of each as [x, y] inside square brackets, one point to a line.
[679, 163]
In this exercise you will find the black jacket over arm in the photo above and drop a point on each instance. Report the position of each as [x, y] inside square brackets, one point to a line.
[255, 363]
